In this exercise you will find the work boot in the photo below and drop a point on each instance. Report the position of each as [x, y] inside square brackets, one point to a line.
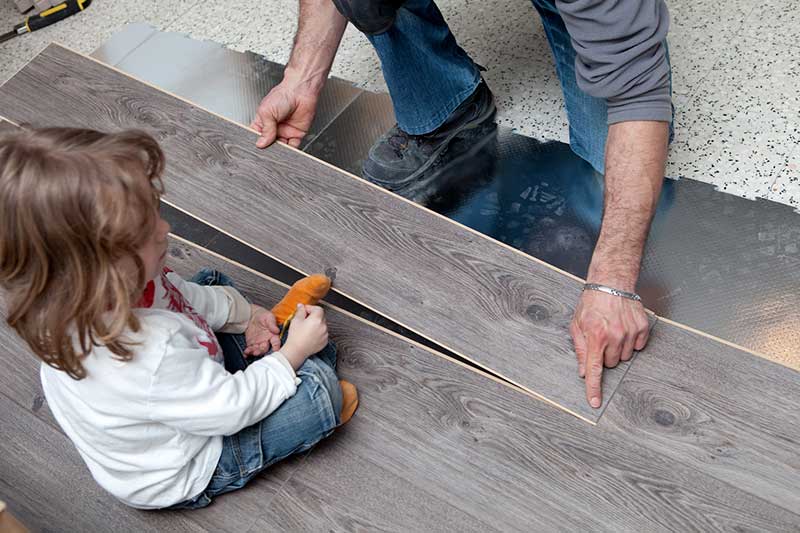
[407, 164]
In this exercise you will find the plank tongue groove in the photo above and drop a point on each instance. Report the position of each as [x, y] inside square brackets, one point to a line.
[497, 307]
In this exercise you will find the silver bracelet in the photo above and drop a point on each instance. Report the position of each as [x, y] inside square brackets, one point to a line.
[611, 290]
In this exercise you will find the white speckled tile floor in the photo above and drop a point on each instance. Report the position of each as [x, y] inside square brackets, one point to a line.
[735, 71]
[83, 32]
[739, 127]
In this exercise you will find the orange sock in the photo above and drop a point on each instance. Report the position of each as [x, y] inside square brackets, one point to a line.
[349, 401]
[307, 291]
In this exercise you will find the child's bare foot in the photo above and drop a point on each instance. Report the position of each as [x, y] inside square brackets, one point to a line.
[349, 401]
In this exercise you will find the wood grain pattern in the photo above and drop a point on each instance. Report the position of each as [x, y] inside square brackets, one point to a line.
[19, 380]
[496, 306]
[50, 489]
[717, 409]
[6, 127]
[434, 431]
[435, 445]
[238, 511]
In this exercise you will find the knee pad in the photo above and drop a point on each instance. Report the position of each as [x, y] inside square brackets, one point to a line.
[372, 17]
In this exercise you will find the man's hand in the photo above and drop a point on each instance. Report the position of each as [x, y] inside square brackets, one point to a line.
[285, 114]
[606, 329]
[261, 333]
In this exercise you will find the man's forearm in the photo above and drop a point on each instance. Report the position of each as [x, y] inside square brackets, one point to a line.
[319, 30]
[636, 154]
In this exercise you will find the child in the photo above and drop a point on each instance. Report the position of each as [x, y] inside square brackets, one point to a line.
[133, 370]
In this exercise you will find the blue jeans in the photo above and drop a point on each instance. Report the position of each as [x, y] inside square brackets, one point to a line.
[429, 75]
[298, 424]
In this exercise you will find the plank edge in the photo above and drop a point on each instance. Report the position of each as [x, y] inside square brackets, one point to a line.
[325, 163]
[478, 369]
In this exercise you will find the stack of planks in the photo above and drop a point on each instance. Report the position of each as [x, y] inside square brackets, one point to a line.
[693, 434]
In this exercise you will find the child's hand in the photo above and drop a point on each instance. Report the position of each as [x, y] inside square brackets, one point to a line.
[308, 334]
[262, 332]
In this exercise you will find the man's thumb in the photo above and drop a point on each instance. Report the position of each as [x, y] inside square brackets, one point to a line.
[269, 131]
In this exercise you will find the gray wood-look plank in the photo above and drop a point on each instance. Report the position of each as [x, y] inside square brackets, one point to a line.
[238, 511]
[19, 380]
[435, 445]
[718, 409]
[48, 487]
[503, 310]
[702, 437]
[6, 127]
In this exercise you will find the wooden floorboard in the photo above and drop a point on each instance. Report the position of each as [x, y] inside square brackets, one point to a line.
[435, 445]
[431, 430]
[48, 487]
[19, 380]
[6, 127]
[717, 409]
[496, 306]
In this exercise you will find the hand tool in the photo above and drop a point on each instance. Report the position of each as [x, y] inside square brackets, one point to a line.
[46, 18]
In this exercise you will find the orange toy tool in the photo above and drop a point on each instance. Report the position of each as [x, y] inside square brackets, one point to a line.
[307, 291]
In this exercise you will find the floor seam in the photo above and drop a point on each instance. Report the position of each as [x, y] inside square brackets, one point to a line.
[127, 54]
[625, 374]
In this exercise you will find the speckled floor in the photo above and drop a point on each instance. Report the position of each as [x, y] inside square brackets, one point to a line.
[736, 69]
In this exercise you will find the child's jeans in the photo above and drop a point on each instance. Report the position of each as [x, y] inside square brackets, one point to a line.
[298, 424]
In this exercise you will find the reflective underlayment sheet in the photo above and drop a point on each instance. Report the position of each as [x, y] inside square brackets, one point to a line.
[724, 265]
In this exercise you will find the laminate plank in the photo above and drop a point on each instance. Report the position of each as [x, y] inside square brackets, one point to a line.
[238, 511]
[496, 306]
[7, 127]
[358, 494]
[19, 380]
[45, 481]
[717, 409]
[436, 445]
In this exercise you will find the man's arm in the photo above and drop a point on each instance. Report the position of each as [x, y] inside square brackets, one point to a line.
[286, 113]
[621, 57]
[607, 328]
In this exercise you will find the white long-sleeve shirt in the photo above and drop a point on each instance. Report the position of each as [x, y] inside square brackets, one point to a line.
[150, 429]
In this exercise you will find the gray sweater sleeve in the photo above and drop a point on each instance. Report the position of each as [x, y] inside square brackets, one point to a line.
[621, 55]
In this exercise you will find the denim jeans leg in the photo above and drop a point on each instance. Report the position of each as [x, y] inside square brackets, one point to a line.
[587, 115]
[296, 426]
[427, 72]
